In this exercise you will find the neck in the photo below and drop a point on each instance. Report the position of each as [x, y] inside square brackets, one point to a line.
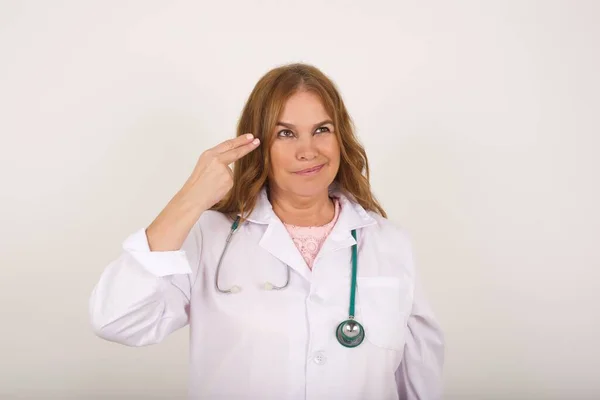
[302, 211]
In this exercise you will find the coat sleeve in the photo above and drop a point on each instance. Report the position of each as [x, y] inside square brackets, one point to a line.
[142, 296]
[419, 375]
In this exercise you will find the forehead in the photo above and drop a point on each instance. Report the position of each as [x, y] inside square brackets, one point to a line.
[304, 107]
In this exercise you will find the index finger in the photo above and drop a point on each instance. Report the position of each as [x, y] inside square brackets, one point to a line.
[233, 155]
[234, 143]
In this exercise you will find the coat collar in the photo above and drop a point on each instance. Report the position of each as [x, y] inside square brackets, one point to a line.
[278, 242]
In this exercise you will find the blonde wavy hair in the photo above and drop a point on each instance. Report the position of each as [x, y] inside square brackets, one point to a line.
[259, 117]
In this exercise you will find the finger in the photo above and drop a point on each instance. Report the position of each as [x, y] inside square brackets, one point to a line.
[234, 143]
[231, 156]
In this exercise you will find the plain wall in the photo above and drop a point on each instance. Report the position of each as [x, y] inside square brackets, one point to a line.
[480, 119]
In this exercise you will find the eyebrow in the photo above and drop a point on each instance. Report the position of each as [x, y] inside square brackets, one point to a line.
[292, 126]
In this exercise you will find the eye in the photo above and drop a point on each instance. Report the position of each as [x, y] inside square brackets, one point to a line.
[323, 129]
[285, 133]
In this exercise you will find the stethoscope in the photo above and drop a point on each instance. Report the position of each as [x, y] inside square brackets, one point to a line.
[350, 333]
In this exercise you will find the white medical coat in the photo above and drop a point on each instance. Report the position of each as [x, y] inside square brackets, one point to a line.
[279, 344]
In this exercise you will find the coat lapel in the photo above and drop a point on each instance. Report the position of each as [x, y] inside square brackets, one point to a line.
[352, 216]
[333, 262]
[276, 239]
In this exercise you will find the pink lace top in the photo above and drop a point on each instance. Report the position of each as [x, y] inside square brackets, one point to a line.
[309, 239]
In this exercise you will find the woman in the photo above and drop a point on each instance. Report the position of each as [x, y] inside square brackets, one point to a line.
[314, 295]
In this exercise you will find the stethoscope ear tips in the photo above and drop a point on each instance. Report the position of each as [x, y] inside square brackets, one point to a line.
[266, 286]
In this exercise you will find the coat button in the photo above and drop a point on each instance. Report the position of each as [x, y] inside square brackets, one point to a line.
[319, 358]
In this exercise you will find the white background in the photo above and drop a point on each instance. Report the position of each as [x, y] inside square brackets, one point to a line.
[480, 119]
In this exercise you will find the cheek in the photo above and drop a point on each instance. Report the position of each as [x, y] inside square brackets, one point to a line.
[331, 149]
[279, 156]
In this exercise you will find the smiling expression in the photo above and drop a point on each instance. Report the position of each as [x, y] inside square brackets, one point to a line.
[305, 153]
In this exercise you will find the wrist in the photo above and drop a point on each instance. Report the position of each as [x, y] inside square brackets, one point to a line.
[185, 205]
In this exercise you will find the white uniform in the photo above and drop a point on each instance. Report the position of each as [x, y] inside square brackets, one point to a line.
[279, 344]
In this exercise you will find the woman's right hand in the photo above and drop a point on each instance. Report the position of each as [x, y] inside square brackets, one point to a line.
[210, 181]
[212, 178]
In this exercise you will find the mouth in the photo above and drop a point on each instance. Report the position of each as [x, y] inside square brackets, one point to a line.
[310, 171]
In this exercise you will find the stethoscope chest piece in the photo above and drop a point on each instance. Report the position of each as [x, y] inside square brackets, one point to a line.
[350, 333]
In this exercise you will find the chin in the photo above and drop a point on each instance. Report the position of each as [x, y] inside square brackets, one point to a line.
[310, 189]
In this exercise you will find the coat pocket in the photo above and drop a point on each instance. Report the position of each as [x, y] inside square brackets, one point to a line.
[384, 304]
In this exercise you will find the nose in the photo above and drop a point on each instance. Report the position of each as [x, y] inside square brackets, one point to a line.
[306, 150]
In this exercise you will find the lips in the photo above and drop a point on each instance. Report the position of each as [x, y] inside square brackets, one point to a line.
[311, 170]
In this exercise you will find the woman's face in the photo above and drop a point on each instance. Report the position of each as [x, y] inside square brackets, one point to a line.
[305, 153]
